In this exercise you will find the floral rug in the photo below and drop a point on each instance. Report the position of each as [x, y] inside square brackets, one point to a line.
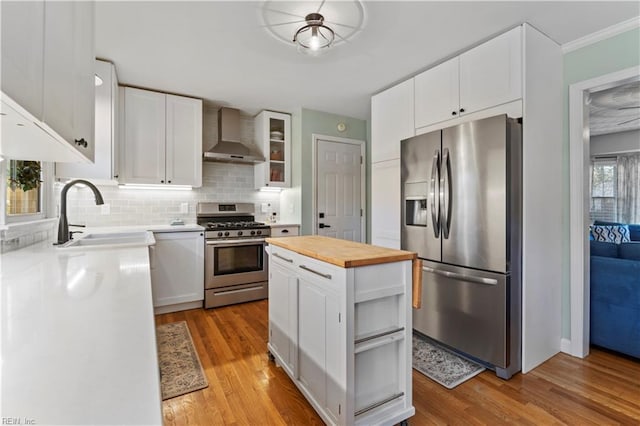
[180, 368]
[442, 365]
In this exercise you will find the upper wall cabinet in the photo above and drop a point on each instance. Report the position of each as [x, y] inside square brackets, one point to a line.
[483, 77]
[162, 139]
[391, 121]
[104, 169]
[273, 132]
[48, 77]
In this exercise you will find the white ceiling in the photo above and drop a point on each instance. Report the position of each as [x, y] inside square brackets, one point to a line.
[221, 51]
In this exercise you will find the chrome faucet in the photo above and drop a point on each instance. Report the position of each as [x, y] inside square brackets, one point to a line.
[63, 226]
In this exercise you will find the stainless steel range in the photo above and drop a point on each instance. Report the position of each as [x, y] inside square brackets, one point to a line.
[236, 266]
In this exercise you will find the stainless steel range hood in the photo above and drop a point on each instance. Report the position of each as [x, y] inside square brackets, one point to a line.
[229, 149]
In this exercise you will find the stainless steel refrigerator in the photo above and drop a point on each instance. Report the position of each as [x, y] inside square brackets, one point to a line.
[461, 212]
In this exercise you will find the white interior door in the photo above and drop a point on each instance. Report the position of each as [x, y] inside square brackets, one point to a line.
[339, 197]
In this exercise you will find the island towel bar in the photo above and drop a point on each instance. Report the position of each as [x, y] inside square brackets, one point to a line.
[375, 336]
[379, 403]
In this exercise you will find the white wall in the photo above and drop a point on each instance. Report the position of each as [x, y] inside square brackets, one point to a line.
[615, 143]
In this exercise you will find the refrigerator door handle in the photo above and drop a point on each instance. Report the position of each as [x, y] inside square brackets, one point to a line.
[435, 205]
[462, 277]
[445, 194]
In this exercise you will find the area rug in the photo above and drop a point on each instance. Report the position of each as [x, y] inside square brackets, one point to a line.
[180, 368]
[442, 365]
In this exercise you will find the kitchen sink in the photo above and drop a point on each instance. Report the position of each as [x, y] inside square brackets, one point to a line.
[116, 239]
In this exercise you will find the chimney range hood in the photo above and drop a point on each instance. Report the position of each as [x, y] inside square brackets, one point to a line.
[229, 149]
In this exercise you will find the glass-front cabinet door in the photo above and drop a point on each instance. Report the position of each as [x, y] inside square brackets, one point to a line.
[273, 131]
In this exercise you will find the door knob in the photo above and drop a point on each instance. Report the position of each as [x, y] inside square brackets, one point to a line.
[322, 225]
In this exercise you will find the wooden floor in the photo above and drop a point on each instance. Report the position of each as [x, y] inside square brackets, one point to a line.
[246, 389]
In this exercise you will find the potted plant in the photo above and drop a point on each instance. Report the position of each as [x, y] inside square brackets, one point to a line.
[26, 176]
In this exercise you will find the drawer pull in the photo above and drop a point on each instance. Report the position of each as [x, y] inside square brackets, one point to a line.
[375, 336]
[327, 276]
[285, 231]
[283, 258]
[379, 403]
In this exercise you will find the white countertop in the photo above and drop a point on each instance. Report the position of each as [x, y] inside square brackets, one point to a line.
[191, 227]
[78, 336]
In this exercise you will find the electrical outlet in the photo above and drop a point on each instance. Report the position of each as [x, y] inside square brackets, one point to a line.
[184, 208]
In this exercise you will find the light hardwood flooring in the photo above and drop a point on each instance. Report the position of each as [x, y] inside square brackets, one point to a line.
[246, 389]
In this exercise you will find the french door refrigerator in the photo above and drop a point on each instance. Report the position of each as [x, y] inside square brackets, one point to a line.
[461, 212]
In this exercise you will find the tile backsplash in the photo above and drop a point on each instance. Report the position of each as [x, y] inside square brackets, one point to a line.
[221, 182]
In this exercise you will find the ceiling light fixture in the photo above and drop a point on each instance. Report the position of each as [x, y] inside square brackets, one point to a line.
[315, 35]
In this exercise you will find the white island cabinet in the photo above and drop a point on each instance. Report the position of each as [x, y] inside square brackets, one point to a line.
[340, 326]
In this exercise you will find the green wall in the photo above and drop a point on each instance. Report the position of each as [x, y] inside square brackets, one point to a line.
[601, 58]
[323, 123]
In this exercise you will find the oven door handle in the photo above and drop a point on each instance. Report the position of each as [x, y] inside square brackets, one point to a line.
[234, 242]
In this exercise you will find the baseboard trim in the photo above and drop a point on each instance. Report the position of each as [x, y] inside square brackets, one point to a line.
[177, 307]
[565, 346]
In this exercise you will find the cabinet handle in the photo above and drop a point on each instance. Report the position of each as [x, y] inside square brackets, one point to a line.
[283, 258]
[454, 113]
[285, 231]
[461, 109]
[161, 181]
[81, 142]
[168, 181]
[327, 276]
[115, 176]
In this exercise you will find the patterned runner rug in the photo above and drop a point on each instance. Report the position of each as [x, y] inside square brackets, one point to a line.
[442, 365]
[180, 368]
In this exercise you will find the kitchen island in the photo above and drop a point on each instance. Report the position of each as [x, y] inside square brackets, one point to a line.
[78, 336]
[340, 326]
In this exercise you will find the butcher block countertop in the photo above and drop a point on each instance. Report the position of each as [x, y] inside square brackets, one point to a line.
[343, 253]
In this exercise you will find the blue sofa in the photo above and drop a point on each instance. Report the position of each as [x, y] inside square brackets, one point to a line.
[615, 294]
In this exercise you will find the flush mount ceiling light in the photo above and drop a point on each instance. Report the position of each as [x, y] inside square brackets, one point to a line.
[315, 35]
[314, 27]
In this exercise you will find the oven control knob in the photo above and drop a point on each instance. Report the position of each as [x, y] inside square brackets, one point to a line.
[219, 234]
[226, 234]
[259, 232]
[253, 232]
[239, 233]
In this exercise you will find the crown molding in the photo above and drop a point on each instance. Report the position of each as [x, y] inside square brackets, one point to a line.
[603, 34]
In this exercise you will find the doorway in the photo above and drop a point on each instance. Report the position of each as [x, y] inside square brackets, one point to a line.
[579, 202]
[338, 188]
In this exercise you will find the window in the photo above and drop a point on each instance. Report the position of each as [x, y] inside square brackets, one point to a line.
[24, 189]
[603, 189]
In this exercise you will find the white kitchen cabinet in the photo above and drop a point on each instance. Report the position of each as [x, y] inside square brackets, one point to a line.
[22, 53]
[177, 270]
[104, 169]
[343, 335]
[391, 120]
[47, 69]
[483, 77]
[284, 230]
[69, 82]
[385, 204]
[437, 93]
[283, 316]
[273, 134]
[162, 141]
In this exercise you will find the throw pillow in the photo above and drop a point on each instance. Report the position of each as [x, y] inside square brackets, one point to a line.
[600, 248]
[629, 251]
[611, 233]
